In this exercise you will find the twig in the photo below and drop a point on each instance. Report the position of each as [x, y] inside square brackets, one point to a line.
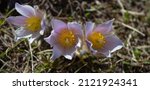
[80, 68]
[130, 12]
[129, 44]
[133, 13]
[127, 11]
[130, 27]
[4, 64]
[31, 55]
[143, 47]
[70, 6]
[121, 5]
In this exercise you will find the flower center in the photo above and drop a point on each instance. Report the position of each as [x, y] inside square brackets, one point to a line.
[67, 39]
[33, 23]
[97, 39]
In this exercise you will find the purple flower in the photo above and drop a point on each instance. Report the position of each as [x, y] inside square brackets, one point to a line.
[65, 38]
[31, 24]
[100, 39]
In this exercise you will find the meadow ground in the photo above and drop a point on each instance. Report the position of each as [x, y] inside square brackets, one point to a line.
[131, 25]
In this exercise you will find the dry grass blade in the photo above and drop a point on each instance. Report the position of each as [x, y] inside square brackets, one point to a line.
[130, 27]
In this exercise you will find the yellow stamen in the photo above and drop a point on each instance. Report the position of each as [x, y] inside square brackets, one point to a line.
[97, 39]
[67, 39]
[33, 23]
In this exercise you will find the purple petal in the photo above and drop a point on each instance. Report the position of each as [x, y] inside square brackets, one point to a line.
[89, 26]
[113, 43]
[35, 34]
[51, 39]
[56, 53]
[25, 10]
[21, 32]
[57, 49]
[43, 25]
[18, 38]
[58, 25]
[66, 52]
[105, 28]
[38, 12]
[89, 45]
[69, 51]
[18, 20]
[47, 39]
[77, 29]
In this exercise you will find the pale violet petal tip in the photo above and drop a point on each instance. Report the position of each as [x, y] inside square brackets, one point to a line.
[113, 44]
[56, 53]
[20, 32]
[68, 57]
[89, 26]
[89, 45]
[18, 20]
[105, 28]
[58, 25]
[117, 48]
[51, 39]
[47, 39]
[43, 25]
[25, 10]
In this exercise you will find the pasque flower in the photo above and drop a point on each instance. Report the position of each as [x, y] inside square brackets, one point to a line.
[100, 39]
[30, 25]
[64, 38]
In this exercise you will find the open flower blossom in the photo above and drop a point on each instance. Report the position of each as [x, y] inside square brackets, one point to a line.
[31, 24]
[64, 38]
[100, 39]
